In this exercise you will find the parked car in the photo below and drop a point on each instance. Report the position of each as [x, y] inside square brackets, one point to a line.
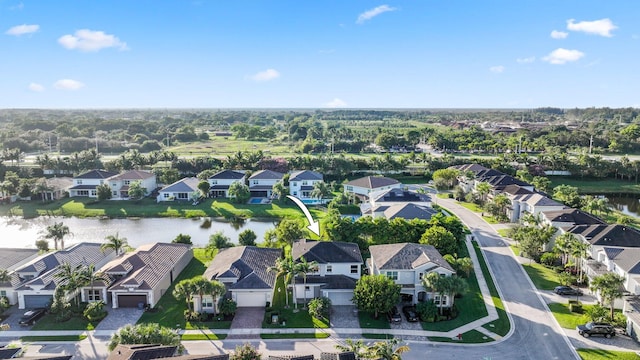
[410, 313]
[394, 315]
[567, 290]
[30, 317]
[594, 328]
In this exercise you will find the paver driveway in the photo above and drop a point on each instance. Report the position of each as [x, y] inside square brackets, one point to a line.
[248, 318]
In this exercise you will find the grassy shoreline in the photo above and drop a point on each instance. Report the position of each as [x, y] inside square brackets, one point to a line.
[597, 186]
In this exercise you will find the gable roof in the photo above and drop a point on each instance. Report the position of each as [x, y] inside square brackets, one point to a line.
[326, 252]
[266, 175]
[406, 256]
[146, 266]
[408, 211]
[142, 352]
[59, 183]
[537, 200]
[305, 175]
[96, 174]
[475, 168]
[516, 190]
[228, 175]
[608, 235]
[628, 259]
[189, 184]
[10, 257]
[133, 175]
[398, 195]
[373, 182]
[573, 216]
[248, 264]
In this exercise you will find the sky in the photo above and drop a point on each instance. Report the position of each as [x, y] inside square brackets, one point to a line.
[319, 54]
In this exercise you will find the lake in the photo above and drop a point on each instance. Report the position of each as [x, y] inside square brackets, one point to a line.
[629, 205]
[17, 232]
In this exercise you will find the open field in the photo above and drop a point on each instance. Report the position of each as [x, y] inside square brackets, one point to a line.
[597, 186]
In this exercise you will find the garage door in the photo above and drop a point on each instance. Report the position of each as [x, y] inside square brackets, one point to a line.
[131, 301]
[37, 301]
[340, 298]
[251, 299]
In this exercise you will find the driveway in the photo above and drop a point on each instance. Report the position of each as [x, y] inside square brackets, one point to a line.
[248, 318]
[118, 318]
[344, 317]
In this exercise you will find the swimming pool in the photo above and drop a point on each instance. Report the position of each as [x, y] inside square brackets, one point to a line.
[255, 201]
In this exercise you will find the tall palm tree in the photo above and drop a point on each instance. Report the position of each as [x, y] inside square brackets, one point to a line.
[216, 290]
[184, 290]
[563, 245]
[70, 278]
[388, 350]
[286, 268]
[89, 276]
[437, 285]
[4, 275]
[609, 286]
[320, 190]
[579, 251]
[116, 243]
[303, 268]
[357, 347]
[57, 232]
[201, 287]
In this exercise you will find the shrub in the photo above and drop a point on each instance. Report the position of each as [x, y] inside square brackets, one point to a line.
[575, 306]
[549, 258]
[228, 307]
[320, 307]
[146, 334]
[95, 312]
[4, 304]
[245, 352]
[427, 310]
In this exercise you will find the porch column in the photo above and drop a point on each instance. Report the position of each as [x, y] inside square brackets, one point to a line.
[197, 306]
[114, 300]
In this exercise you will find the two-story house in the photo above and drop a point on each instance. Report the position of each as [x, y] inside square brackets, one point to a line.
[221, 181]
[85, 184]
[339, 267]
[407, 264]
[120, 183]
[364, 186]
[184, 189]
[301, 183]
[261, 183]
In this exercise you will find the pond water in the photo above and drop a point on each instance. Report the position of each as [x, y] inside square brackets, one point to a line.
[629, 205]
[22, 233]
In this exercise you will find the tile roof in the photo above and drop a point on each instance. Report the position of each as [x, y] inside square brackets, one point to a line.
[408, 211]
[189, 184]
[133, 175]
[96, 174]
[142, 352]
[305, 175]
[608, 235]
[628, 259]
[228, 175]
[334, 282]
[10, 257]
[59, 183]
[573, 216]
[406, 256]
[326, 252]
[147, 265]
[516, 190]
[373, 182]
[537, 200]
[266, 175]
[398, 195]
[247, 263]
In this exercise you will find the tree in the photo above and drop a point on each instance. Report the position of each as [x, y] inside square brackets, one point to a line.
[239, 192]
[57, 232]
[465, 265]
[279, 190]
[568, 194]
[441, 238]
[204, 186]
[216, 290]
[42, 245]
[436, 284]
[89, 275]
[610, 287]
[218, 240]
[357, 347]
[71, 278]
[4, 275]
[182, 239]
[286, 268]
[445, 178]
[320, 307]
[184, 290]
[247, 238]
[115, 243]
[388, 350]
[136, 191]
[376, 293]
[151, 333]
[483, 189]
[303, 268]
[289, 231]
[320, 190]
[103, 191]
[245, 351]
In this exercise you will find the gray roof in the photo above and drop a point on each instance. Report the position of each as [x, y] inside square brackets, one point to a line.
[406, 256]
[96, 174]
[228, 175]
[248, 264]
[475, 168]
[398, 195]
[59, 183]
[608, 235]
[147, 265]
[10, 257]
[408, 211]
[189, 184]
[326, 252]
[628, 259]
[133, 175]
[516, 190]
[373, 182]
[573, 216]
[537, 200]
[266, 175]
[335, 282]
[305, 175]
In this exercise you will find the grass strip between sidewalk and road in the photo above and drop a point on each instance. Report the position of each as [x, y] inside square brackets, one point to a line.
[295, 336]
[53, 338]
[598, 354]
[203, 336]
[377, 336]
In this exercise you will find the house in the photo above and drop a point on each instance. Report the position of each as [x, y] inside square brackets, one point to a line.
[10, 260]
[120, 183]
[406, 264]
[85, 184]
[261, 183]
[301, 183]
[393, 196]
[569, 217]
[220, 182]
[339, 267]
[244, 272]
[407, 211]
[156, 351]
[141, 276]
[56, 188]
[369, 184]
[38, 281]
[184, 189]
[532, 203]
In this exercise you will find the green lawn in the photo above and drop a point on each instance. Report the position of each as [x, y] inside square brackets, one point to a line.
[504, 232]
[597, 186]
[291, 317]
[566, 318]
[541, 276]
[367, 321]
[171, 311]
[295, 336]
[77, 322]
[470, 337]
[53, 338]
[377, 336]
[597, 354]
[502, 325]
[203, 336]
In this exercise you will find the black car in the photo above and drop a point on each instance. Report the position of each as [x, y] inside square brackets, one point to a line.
[567, 290]
[410, 313]
[394, 315]
[594, 328]
[30, 317]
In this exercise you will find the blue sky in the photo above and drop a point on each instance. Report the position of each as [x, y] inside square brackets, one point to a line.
[319, 54]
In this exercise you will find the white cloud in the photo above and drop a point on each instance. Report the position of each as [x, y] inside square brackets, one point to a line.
[89, 40]
[336, 103]
[602, 27]
[526, 60]
[267, 75]
[36, 87]
[370, 14]
[559, 34]
[23, 29]
[497, 69]
[68, 84]
[561, 56]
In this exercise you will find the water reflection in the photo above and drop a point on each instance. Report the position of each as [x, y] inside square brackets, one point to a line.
[629, 205]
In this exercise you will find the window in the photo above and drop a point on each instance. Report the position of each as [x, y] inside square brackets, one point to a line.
[329, 268]
[207, 302]
[304, 183]
[306, 288]
[393, 275]
[79, 182]
[101, 182]
[255, 182]
[183, 196]
[213, 182]
[127, 182]
[115, 193]
[3, 293]
[420, 275]
[354, 269]
[349, 188]
[94, 193]
[93, 295]
[294, 184]
[165, 195]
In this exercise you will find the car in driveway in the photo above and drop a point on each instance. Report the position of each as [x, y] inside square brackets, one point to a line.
[594, 328]
[394, 315]
[567, 290]
[31, 316]
[410, 313]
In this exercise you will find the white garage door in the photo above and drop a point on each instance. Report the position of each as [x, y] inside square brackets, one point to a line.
[251, 299]
[340, 298]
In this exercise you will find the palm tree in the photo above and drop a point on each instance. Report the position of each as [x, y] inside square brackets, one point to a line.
[218, 241]
[303, 268]
[563, 245]
[609, 286]
[201, 286]
[483, 189]
[70, 278]
[357, 347]
[578, 251]
[433, 282]
[116, 243]
[216, 290]
[287, 268]
[184, 290]
[320, 190]
[42, 188]
[89, 276]
[388, 350]
[4, 275]
[57, 232]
